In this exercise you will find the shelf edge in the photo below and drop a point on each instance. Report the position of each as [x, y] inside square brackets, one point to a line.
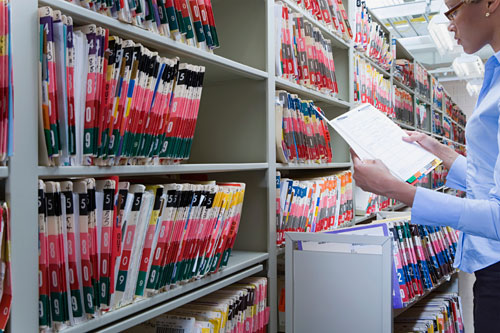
[68, 171]
[170, 296]
[285, 166]
[285, 84]
[168, 306]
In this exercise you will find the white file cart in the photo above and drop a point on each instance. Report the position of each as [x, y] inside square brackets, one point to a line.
[338, 283]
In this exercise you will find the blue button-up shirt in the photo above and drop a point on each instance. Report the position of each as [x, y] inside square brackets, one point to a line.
[478, 215]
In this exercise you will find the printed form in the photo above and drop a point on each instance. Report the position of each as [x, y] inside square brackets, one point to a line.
[372, 135]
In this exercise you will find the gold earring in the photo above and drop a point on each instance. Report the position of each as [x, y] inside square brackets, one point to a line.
[487, 14]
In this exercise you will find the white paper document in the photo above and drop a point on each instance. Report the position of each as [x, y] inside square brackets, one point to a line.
[372, 135]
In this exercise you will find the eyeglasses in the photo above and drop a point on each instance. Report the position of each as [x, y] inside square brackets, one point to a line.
[452, 12]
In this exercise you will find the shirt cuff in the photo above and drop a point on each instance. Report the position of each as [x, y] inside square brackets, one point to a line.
[435, 208]
[456, 175]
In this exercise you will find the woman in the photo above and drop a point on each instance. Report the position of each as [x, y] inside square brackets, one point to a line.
[475, 24]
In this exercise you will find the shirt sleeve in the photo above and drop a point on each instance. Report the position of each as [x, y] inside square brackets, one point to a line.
[457, 174]
[477, 217]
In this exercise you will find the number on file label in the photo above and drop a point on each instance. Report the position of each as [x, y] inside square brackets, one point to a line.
[56, 306]
[85, 273]
[54, 279]
[88, 113]
[87, 139]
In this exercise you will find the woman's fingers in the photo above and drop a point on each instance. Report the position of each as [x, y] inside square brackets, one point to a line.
[355, 158]
[413, 136]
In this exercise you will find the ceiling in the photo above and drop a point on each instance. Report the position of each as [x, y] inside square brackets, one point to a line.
[407, 20]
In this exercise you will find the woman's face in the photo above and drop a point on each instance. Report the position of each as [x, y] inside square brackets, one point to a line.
[470, 24]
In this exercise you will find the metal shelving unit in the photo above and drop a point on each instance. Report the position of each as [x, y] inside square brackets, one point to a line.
[227, 71]
[244, 78]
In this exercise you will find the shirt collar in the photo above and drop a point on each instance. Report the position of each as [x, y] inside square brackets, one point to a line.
[497, 55]
[493, 62]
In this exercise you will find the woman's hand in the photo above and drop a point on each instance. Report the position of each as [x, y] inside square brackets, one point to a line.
[373, 176]
[427, 142]
[445, 153]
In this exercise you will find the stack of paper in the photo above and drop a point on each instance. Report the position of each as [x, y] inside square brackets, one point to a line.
[109, 101]
[6, 84]
[313, 204]
[105, 243]
[301, 135]
[241, 307]
[187, 21]
[439, 312]
[305, 56]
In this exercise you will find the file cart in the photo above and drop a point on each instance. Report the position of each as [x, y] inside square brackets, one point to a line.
[338, 283]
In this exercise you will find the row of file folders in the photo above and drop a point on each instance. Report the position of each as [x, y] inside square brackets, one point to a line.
[107, 243]
[187, 21]
[110, 101]
[314, 204]
[439, 312]
[422, 255]
[5, 266]
[302, 135]
[240, 307]
[6, 84]
[303, 54]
